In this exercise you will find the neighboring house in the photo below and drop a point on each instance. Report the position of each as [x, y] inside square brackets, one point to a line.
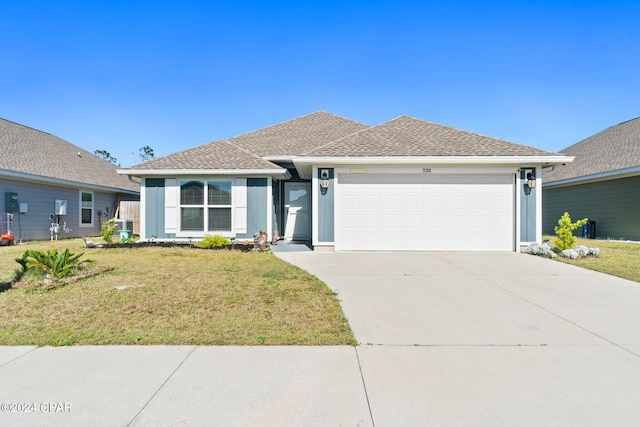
[602, 183]
[50, 185]
[405, 184]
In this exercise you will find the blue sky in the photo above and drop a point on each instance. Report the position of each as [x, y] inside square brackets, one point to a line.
[120, 75]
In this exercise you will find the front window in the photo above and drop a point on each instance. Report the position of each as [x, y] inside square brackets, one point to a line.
[194, 204]
[86, 208]
[219, 206]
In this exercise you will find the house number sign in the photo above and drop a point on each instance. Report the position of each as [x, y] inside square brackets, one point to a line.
[426, 170]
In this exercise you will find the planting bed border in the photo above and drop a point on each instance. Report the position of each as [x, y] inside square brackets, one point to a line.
[234, 246]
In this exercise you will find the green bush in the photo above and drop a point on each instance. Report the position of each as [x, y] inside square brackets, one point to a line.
[23, 266]
[564, 231]
[213, 242]
[107, 230]
[52, 262]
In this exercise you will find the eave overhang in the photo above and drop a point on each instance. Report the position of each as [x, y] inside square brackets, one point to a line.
[304, 164]
[603, 176]
[279, 173]
[65, 183]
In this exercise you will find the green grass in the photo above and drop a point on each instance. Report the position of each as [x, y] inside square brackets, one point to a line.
[174, 296]
[616, 258]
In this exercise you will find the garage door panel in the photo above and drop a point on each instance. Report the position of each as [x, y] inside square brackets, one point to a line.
[422, 212]
[370, 201]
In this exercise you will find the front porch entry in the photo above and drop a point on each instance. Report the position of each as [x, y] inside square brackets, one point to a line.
[297, 210]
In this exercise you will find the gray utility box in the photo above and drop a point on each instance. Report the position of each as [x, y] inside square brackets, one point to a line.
[124, 224]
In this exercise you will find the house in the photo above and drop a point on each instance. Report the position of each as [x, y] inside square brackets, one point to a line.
[52, 188]
[406, 184]
[602, 183]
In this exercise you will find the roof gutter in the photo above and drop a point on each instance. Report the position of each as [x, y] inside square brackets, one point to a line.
[604, 176]
[436, 160]
[279, 172]
[66, 183]
[303, 164]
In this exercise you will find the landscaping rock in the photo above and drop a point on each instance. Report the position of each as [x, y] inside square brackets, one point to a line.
[570, 253]
[539, 250]
[580, 251]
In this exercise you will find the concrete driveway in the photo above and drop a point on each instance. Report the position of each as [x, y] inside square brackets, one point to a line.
[488, 339]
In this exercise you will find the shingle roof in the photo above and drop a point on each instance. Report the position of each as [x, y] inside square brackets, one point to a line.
[30, 151]
[408, 136]
[322, 134]
[615, 148]
[297, 136]
[214, 155]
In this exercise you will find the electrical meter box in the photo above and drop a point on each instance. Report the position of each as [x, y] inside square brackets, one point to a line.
[11, 202]
[61, 207]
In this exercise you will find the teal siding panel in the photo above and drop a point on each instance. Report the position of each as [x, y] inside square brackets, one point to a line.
[614, 205]
[326, 209]
[527, 211]
[154, 208]
[256, 206]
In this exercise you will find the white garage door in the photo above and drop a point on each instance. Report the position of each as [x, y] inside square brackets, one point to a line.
[425, 212]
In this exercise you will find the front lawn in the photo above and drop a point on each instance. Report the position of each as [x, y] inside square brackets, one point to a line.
[621, 259]
[172, 296]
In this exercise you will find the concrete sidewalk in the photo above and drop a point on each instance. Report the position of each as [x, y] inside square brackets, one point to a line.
[445, 339]
[181, 386]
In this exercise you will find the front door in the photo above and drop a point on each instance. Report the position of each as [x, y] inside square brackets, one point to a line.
[297, 210]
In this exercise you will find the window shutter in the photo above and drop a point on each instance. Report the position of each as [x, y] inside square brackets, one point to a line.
[240, 205]
[171, 202]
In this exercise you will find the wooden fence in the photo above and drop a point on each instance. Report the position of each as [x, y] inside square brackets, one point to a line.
[131, 210]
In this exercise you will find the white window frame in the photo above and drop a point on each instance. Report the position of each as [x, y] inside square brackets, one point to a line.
[205, 206]
[81, 208]
[228, 206]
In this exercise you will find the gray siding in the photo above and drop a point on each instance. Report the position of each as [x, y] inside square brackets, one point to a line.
[40, 200]
[614, 205]
[527, 211]
[256, 206]
[326, 210]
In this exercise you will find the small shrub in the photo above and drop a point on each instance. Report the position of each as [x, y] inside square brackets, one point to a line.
[213, 242]
[23, 266]
[107, 230]
[564, 231]
[52, 262]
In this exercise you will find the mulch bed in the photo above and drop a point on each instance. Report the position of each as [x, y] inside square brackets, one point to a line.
[178, 244]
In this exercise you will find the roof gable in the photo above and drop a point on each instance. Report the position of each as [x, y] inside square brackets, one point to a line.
[297, 136]
[32, 152]
[615, 148]
[215, 155]
[408, 136]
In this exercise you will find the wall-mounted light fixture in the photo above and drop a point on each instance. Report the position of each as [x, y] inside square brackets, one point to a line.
[324, 181]
[529, 180]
